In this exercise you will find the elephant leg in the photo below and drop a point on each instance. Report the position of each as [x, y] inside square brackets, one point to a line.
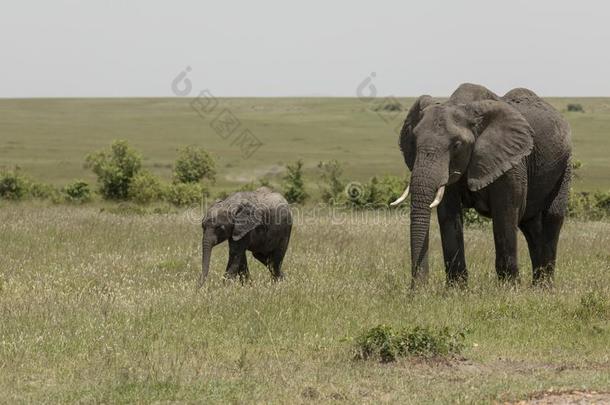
[277, 257]
[507, 198]
[505, 239]
[244, 273]
[452, 237]
[237, 255]
[551, 226]
[261, 257]
[552, 221]
[532, 230]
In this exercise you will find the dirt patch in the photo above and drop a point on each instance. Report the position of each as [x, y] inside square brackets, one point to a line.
[566, 397]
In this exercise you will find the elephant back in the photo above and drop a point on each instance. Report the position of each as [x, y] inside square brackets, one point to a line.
[469, 92]
[274, 207]
[552, 135]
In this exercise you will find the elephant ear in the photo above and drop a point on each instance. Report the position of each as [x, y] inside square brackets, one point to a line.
[407, 140]
[246, 217]
[503, 139]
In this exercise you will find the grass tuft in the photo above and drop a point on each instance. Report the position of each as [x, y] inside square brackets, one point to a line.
[386, 344]
[593, 305]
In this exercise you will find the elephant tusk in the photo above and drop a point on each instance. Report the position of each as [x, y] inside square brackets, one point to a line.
[401, 198]
[438, 197]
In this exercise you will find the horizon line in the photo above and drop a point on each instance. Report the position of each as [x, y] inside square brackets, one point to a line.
[247, 97]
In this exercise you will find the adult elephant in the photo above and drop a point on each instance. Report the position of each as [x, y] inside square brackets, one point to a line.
[259, 221]
[507, 157]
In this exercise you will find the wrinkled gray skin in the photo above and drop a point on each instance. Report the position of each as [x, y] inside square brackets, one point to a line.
[258, 221]
[507, 157]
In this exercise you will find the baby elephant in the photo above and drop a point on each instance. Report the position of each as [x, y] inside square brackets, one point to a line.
[259, 221]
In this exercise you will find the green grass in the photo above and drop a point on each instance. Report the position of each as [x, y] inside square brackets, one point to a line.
[100, 307]
[98, 302]
[50, 137]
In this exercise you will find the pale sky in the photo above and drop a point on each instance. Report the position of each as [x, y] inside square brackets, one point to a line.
[131, 48]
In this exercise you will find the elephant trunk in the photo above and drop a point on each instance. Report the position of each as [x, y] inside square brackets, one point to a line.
[427, 186]
[208, 242]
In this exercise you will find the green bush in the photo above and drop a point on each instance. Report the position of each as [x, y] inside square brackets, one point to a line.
[379, 192]
[253, 185]
[471, 217]
[332, 186]
[385, 189]
[294, 184]
[44, 191]
[77, 192]
[589, 206]
[145, 188]
[13, 185]
[386, 344]
[576, 108]
[575, 165]
[115, 169]
[602, 202]
[193, 165]
[183, 194]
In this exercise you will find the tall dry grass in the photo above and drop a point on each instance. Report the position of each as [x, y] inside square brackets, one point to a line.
[99, 307]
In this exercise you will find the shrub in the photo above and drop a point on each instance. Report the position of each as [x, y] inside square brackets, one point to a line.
[386, 344]
[377, 193]
[589, 206]
[575, 164]
[183, 194]
[580, 205]
[115, 169]
[388, 105]
[385, 189]
[471, 217]
[13, 185]
[253, 185]
[44, 191]
[221, 195]
[193, 165]
[294, 184]
[145, 188]
[333, 186]
[602, 202]
[355, 195]
[77, 192]
[575, 108]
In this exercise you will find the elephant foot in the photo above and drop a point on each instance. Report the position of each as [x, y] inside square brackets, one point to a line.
[418, 283]
[509, 280]
[461, 283]
[543, 277]
[244, 278]
[457, 279]
[230, 277]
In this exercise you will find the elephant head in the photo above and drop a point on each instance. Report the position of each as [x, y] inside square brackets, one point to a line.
[473, 136]
[232, 218]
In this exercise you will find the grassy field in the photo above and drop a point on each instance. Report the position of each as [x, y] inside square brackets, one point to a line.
[98, 302]
[101, 307]
[49, 138]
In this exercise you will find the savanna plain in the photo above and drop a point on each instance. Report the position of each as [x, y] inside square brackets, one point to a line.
[99, 304]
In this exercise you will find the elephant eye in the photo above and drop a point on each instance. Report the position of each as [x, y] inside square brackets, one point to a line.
[456, 145]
